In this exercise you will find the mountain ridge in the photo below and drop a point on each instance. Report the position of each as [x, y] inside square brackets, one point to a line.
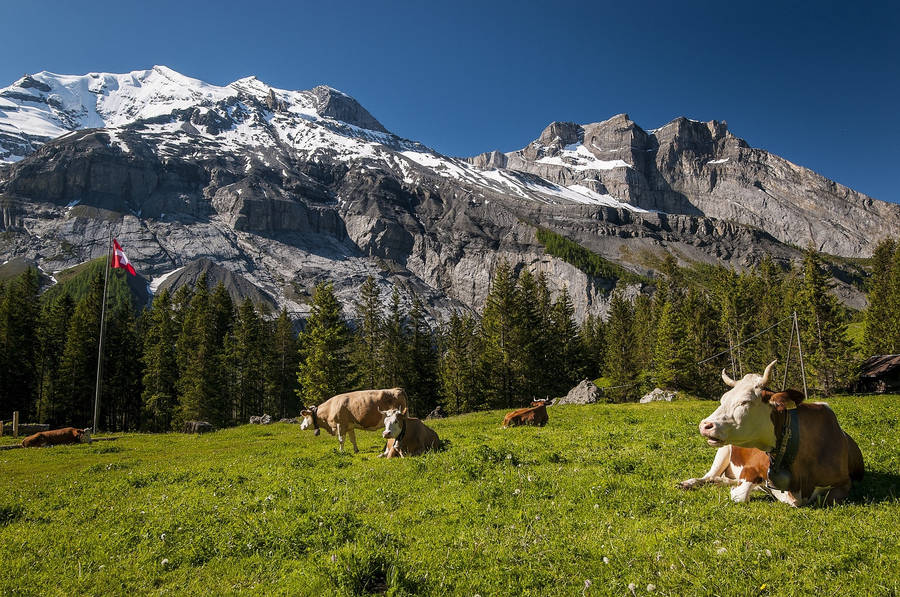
[287, 188]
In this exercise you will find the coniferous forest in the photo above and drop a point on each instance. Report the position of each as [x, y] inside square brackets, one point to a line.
[196, 355]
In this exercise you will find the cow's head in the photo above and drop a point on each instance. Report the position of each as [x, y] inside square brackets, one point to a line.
[84, 437]
[310, 419]
[744, 417]
[394, 421]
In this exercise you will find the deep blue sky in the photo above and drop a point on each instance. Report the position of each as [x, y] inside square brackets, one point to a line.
[815, 82]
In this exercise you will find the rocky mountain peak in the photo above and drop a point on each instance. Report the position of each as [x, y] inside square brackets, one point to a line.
[335, 104]
[561, 134]
[29, 82]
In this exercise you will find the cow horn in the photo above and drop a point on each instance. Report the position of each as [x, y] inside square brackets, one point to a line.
[728, 381]
[766, 375]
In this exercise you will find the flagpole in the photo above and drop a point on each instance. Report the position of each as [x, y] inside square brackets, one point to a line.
[96, 427]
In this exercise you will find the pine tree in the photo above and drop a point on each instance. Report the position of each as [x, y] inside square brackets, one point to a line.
[534, 336]
[881, 332]
[394, 353]
[822, 327]
[324, 368]
[423, 359]
[643, 327]
[78, 366]
[159, 364]
[893, 315]
[705, 340]
[568, 362]
[592, 342]
[770, 309]
[52, 331]
[120, 404]
[501, 358]
[672, 360]
[367, 345]
[249, 360]
[19, 347]
[283, 373]
[223, 312]
[461, 386]
[621, 368]
[198, 354]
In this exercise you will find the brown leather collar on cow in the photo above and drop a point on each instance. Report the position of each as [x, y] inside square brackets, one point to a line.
[315, 419]
[787, 440]
[402, 431]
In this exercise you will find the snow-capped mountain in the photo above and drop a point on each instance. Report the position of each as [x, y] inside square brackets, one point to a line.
[246, 115]
[287, 188]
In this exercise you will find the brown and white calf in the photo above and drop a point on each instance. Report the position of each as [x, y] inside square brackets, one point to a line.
[341, 414]
[536, 414]
[775, 441]
[410, 435]
[57, 437]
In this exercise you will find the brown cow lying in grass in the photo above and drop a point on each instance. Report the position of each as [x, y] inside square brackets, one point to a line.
[536, 414]
[56, 437]
[775, 441]
[411, 436]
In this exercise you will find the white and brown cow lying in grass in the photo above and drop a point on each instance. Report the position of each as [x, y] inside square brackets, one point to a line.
[341, 414]
[773, 440]
[410, 436]
[57, 437]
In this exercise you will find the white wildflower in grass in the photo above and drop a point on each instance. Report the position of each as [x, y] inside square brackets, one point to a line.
[651, 588]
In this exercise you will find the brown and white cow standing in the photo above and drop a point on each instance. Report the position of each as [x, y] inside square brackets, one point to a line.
[754, 433]
[57, 437]
[536, 414]
[341, 414]
[411, 436]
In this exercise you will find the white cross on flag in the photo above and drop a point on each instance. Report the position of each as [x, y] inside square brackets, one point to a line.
[119, 259]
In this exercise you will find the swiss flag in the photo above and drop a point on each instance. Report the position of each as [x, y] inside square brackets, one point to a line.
[119, 259]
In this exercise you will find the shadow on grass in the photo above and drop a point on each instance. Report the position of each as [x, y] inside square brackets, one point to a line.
[875, 487]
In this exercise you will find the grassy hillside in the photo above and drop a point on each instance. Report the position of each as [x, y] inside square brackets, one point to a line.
[122, 286]
[586, 504]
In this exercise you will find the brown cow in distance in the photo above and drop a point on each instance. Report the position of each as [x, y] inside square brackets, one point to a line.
[56, 437]
[775, 441]
[536, 414]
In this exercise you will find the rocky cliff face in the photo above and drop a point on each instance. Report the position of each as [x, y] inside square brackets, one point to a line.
[284, 189]
[701, 169]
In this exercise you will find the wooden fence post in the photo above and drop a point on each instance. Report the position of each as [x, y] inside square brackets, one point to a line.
[1, 427]
[16, 423]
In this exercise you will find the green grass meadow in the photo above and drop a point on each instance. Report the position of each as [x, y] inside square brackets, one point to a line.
[585, 506]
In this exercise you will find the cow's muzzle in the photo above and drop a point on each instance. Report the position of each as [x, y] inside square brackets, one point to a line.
[708, 430]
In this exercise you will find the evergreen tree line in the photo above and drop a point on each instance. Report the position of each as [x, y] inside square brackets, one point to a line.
[195, 355]
[882, 317]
